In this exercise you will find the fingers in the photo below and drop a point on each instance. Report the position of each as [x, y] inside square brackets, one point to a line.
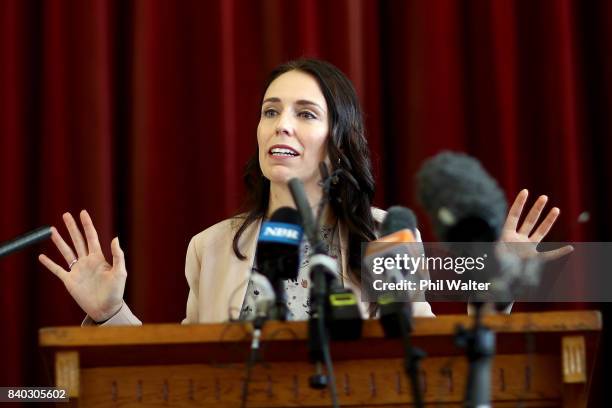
[118, 255]
[533, 215]
[545, 226]
[62, 246]
[515, 211]
[557, 253]
[75, 234]
[90, 233]
[53, 267]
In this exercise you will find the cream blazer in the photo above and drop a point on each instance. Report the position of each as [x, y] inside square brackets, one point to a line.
[218, 279]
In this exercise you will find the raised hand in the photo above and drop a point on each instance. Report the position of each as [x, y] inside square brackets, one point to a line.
[512, 233]
[96, 285]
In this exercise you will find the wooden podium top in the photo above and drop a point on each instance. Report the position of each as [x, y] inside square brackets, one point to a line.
[562, 321]
[225, 342]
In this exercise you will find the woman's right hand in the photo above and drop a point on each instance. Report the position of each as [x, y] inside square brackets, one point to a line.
[96, 285]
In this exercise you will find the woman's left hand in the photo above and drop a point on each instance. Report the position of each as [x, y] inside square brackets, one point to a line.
[512, 233]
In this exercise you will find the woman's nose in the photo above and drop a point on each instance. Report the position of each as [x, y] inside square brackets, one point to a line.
[284, 125]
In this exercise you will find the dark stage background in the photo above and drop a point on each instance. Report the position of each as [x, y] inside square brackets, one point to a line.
[144, 112]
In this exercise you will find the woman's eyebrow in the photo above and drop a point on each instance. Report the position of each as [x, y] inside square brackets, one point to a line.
[307, 102]
[274, 99]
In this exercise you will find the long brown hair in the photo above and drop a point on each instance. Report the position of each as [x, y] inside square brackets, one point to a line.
[347, 147]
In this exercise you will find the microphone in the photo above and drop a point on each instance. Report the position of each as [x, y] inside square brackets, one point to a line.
[398, 218]
[326, 296]
[343, 317]
[278, 252]
[398, 242]
[311, 229]
[399, 230]
[464, 202]
[277, 257]
[466, 205]
[25, 240]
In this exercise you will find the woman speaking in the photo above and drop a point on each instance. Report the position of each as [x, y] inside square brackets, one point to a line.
[309, 113]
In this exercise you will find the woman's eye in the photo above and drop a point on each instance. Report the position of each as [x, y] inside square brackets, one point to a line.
[308, 115]
[268, 113]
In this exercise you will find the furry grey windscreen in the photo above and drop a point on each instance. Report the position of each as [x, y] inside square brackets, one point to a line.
[459, 184]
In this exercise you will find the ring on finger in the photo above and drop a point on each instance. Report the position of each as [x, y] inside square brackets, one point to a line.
[75, 260]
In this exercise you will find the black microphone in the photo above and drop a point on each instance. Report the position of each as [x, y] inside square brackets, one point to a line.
[397, 219]
[308, 222]
[278, 252]
[322, 267]
[464, 202]
[25, 240]
[277, 259]
[399, 231]
[343, 316]
[466, 205]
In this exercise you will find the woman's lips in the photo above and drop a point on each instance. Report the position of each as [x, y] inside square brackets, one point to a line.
[283, 152]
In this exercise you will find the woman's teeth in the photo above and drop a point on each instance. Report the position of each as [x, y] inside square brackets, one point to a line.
[282, 152]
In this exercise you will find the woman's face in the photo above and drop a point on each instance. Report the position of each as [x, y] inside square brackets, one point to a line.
[293, 128]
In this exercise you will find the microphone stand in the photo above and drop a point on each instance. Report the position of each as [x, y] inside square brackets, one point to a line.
[479, 343]
[318, 339]
[262, 306]
[317, 335]
[397, 321]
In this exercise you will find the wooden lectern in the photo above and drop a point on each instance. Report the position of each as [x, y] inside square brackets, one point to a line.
[542, 360]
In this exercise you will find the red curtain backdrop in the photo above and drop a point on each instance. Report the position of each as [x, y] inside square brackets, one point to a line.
[144, 112]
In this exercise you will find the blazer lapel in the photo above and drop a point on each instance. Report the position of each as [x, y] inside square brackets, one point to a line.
[239, 271]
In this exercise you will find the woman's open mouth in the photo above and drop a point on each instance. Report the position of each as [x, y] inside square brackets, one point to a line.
[282, 151]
